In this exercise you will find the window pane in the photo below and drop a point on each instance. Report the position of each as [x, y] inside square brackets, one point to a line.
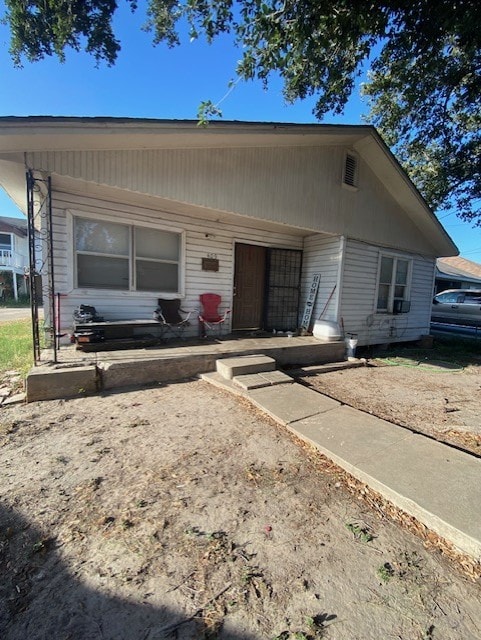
[102, 273]
[472, 298]
[101, 237]
[386, 270]
[160, 245]
[157, 276]
[399, 292]
[402, 272]
[383, 296]
[448, 298]
[5, 241]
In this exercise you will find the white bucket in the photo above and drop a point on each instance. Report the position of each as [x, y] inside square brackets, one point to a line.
[351, 344]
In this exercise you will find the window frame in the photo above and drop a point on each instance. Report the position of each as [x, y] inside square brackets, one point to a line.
[132, 258]
[392, 286]
[10, 235]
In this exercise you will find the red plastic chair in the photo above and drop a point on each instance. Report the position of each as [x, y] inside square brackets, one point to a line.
[209, 317]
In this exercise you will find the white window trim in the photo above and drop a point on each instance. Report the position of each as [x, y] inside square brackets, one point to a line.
[122, 219]
[407, 296]
[12, 246]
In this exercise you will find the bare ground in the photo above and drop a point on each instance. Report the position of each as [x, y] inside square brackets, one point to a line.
[440, 399]
[180, 512]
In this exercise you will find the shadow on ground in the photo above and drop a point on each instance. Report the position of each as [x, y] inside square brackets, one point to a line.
[40, 598]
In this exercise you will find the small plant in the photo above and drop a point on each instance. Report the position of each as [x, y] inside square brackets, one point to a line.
[360, 533]
[316, 626]
[38, 546]
[42, 545]
[385, 572]
[249, 573]
[428, 634]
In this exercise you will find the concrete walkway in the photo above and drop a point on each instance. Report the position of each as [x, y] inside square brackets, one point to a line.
[435, 483]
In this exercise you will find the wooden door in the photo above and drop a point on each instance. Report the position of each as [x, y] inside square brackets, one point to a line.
[249, 285]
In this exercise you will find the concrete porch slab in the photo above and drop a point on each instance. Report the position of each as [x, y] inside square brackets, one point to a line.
[45, 383]
[177, 361]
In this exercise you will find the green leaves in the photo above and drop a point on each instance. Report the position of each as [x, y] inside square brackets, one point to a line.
[40, 29]
[424, 85]
[207, 110]
[425, 99]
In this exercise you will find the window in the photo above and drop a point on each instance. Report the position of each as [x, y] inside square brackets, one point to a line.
[450, 297]
[5, 242]
[472, 297]
[350, 170]
[394, 276]
[127, 258]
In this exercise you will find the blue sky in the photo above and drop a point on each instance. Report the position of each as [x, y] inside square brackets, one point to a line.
[157, 82]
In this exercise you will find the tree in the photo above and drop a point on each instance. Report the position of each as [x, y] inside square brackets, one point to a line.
[424, 85]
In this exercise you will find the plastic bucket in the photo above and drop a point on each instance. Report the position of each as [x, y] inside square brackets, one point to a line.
[351, 344]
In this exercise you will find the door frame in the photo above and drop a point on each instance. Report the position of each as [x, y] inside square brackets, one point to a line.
[265, 301]
[264, 245]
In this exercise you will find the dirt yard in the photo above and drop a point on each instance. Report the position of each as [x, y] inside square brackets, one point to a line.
[439, 398]
[180, 512]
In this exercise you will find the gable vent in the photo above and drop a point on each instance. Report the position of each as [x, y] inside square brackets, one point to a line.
[350, 170]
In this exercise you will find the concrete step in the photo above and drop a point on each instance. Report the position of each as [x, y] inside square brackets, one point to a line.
[329, 367]
[242, 365]
[259, 380]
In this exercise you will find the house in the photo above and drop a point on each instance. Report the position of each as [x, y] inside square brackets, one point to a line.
[147, 209]
[457, 273]
[14, 258]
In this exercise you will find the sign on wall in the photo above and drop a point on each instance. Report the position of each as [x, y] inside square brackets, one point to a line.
[210, 264]
[311, 299]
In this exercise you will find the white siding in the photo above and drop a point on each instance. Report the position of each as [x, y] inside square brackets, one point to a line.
[201, 238]
[297, 186]
[359, 297]
[322, 254]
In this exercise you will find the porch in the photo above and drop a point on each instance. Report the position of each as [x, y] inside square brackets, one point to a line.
[78, 373]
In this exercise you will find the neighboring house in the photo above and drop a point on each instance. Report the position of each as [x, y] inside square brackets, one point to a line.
[457, 273]
[147, 209]
[14, 259]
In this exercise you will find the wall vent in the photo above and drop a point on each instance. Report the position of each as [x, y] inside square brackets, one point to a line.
[350, 170]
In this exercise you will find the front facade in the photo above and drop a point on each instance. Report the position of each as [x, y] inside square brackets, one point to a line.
[143, 210]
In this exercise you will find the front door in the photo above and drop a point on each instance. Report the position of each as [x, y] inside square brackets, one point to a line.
[249, 285]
